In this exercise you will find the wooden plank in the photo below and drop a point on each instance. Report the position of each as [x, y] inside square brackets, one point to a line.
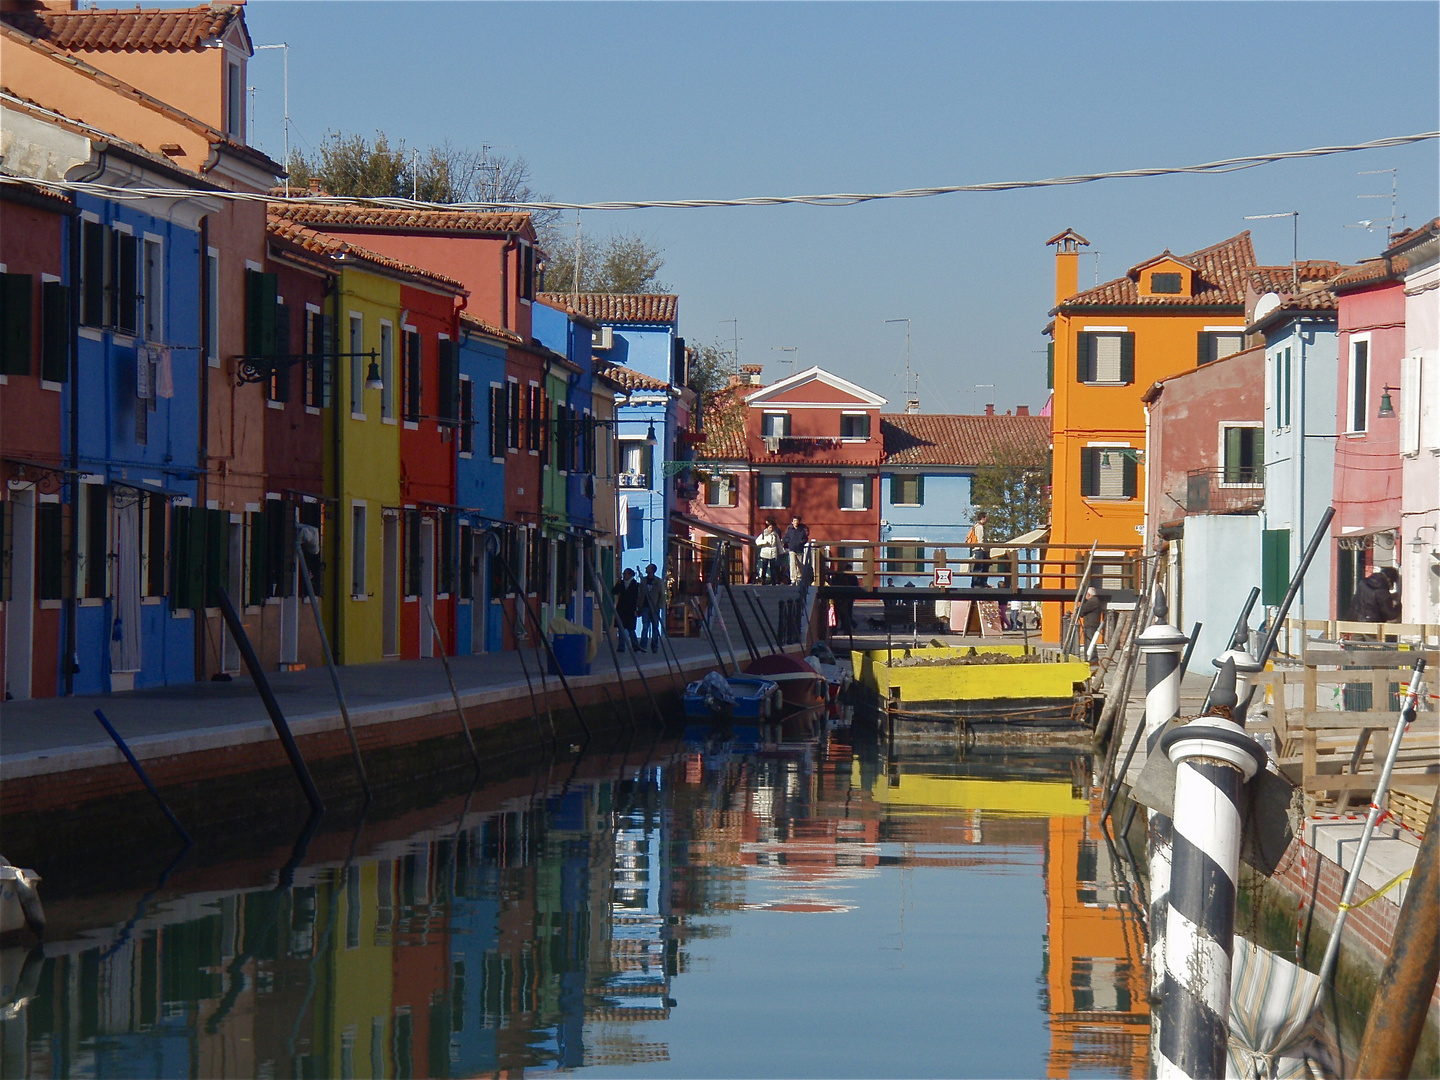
[1375, 718]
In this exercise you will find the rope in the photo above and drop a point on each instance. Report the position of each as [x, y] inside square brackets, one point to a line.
[1380, 891]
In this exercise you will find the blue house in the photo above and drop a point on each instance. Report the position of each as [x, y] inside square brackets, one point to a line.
[480, 484]
[1298, 317]
[926, 473]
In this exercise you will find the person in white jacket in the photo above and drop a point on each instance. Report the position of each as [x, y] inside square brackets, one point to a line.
[768, 549]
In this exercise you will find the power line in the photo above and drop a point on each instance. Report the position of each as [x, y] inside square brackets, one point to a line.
[834, 199]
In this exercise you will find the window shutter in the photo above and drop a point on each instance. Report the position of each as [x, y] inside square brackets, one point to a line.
[1050, 366]
[1202, 348]
[156, 554]
[449, 381]
[1085, 357]
[1130, 470]
[1089, 472]
[920, 490]
[412, 376]
[512, 416]
[1233, 451]
[1127, 358]
[447, 553]
[92, 273]
[54, 332]
[217, 555]
[49, 550]
[260, 556]
[16, 309]
[1274, 566]
[412, 553]
[497, 421]
[282, 348]
[313, 514]
[97, 539]
[127, 266]
[260, 305]
[895, 488]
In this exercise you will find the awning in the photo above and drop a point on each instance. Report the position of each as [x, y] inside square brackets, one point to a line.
[1034, 538]
[709, 527]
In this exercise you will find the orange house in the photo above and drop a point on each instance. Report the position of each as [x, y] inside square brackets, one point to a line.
[1169, 314]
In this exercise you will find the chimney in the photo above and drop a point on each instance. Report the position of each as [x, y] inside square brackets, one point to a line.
[1067, 263]
[314, 185]
[1022, 410]
[989, 410]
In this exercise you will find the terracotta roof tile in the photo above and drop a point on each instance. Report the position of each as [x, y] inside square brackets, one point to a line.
[320, 244]
[355, 216]
[1220, 280]
[1373, 271]
[466, 319]
[618, 307]
[631, 379]
[138, 30]
[921, 439]
[724, 423]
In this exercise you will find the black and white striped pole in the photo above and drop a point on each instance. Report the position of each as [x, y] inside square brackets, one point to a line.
[1214, 758]
[1247, 668]
[1162, 646]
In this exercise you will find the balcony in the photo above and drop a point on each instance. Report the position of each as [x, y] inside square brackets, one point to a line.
[1223, 490]
[632, 480]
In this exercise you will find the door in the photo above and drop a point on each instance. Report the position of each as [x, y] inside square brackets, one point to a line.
[480, 591]
[390, 589]
[125, 631]
[20, 610]
[235, 586]
[427, 586]
[289, 584]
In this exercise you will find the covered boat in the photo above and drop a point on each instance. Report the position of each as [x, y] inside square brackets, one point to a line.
[747, 697]
[801, 685]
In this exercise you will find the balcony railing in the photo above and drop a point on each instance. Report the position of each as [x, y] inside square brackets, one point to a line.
[632, 480]
[1226, 489]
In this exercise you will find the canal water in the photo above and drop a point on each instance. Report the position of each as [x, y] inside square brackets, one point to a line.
[682, 907]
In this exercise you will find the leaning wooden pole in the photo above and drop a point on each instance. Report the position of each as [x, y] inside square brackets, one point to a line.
[1402, 998]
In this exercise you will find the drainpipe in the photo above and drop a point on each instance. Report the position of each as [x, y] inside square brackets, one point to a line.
[202, 490]
[337, 621]
[1301, 530]
[72, 605]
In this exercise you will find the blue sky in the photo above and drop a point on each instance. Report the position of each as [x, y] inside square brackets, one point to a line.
[626, 101]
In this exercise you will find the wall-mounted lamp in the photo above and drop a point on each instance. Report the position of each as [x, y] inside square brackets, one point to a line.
[650, 438]
[1417, 545]
[372, 377]
[1387, 406]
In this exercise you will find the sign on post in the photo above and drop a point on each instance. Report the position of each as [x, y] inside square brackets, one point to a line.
[942, 577]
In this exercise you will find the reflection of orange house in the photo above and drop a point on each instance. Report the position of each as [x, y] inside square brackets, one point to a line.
[1099, 1015]
[1110, 344]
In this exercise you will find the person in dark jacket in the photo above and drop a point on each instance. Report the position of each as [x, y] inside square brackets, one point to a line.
[627, 604]
[794, 541]
[1374, 602]
[1092, 611]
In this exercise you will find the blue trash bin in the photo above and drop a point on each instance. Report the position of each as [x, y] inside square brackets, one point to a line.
[571, 652]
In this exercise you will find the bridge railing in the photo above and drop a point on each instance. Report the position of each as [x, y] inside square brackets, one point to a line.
[1048, 566]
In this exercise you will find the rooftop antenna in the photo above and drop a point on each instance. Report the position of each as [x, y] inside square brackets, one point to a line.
[794, 361]
[912, 380]
[1294, 216]
[286, 47]
[1394, 192]
[980, 386]
[1097, 255]
[486, 168]
[735, 327]
[575, 281]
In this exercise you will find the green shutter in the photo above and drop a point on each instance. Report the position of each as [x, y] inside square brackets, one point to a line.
[50, 550]
[1130, 470]
[217, 555]
[1233, 449]
[1050, 366]
[1089, 480]
[16, 310]
[54, 332]
[1085, 358]
[97, 538]
[1274, 566]
[259, 556]
[894, 489]
[156, 560]
[920, 490]
[1127, 358]
[260, 305]
[1202, 348]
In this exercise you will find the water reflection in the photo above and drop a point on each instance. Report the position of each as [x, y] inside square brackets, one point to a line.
[817, 909]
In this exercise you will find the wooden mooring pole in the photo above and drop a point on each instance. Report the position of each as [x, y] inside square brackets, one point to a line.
[1402, 998]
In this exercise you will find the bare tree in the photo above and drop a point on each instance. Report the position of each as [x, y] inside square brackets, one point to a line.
[619, 263]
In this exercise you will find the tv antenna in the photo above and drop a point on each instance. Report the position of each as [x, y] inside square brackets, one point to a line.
[794, 360]
[735, 328]
[1369, 224]
[912, 379]
[486, 169]
[980, 386]
[1294, 216]
[1097, 255]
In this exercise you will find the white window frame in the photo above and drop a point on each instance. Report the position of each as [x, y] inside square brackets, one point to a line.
[765, 421]
[1222, 426]
[1358, 404]
[853, 412]
[152, 287]
[762, 490]
[387, 371]
[460, 411]
[359, 537]
[1122, 497]
[864, 486]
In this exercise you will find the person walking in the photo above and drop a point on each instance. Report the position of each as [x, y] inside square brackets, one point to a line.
[767, 546]
[627, 602]
[1374, 602]
[796, 537]
[652, 609]
[1092, 611]
[979, 554]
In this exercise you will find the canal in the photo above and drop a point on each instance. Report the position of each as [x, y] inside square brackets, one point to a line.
[671, 907]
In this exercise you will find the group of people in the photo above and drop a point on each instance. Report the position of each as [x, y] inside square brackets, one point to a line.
[769, 546]
[643, 599]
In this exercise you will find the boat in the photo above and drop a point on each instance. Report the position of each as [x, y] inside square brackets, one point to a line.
[833, 670]
[19, 901]
[801, 686]
[745, 697]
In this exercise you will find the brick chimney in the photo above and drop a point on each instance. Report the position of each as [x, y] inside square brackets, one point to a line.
[1022, 410]
[1067, 262]
[989, 410]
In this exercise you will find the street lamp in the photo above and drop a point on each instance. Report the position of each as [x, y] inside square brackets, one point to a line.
[372, 377]
[1387, 407]
[650, 438]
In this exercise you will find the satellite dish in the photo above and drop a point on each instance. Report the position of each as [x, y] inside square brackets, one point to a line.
[1265, 305]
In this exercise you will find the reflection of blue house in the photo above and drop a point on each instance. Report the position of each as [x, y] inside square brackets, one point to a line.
[925, 480]
[636, 335]
[1302, 356]
[137, 397]
[479, 481]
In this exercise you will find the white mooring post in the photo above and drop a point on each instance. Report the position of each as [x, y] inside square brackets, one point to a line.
[1162, 646]
[1214, 758]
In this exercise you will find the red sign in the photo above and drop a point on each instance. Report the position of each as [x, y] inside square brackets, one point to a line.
[942, 577]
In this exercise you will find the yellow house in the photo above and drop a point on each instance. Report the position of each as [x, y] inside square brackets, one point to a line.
[357, 1018]
[1169, 314]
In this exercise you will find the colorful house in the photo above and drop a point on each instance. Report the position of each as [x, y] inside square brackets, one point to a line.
[1109, 344]
[1419, 409]
[722, 506]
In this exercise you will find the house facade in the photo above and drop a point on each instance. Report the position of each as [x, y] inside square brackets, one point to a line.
[1420, 427]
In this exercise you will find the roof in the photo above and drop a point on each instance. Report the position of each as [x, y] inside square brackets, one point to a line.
[483, 327]
[1373, 272]
[659, 308]
[817, 374]
[356, 216]
[320, 244]
[1219, 280]
[137, 30]
[213, 136]
[631, 379]
[921, 439]
[724, 424]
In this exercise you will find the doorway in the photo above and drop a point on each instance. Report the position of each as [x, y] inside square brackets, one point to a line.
[427, 586]
[390, 587]
[125, 637]
[20, 608]
[235, 586]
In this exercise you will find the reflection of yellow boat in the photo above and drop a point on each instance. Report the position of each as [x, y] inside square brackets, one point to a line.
[1036, 798]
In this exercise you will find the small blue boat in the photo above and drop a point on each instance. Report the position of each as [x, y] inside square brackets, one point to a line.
[746, 697]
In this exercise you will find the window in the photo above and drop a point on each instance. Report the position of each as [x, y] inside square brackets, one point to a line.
[1107, 472]
[413, 561]
[280, 377]
[1274, 566]
[152, 292]
[387, 371]
[775, 425]
[412, 376]
[447, 378]
[512, 417]
[93, 532]
[1282, 388]
[1359, 416]
[55, 338]
[636, 462]
[317, 367]
[526, 253]
[535, 415]
[849, 558]
[1165, 283]
[92, 273]
[16, 314]
[854, 493]
[774, 491]
[1244, 450]
[358, 588]
[855, 425]
[1216, 345]
[212, 307]
[907, 490]
[1106, 358]
[357, 366]
[904, 559]
[499, 419]
[50, 550]
[722, 491]
[124, 281]
[235, 101]
[467, 415]
[467, 562]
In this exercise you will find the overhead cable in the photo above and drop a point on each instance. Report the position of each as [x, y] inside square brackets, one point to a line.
[834, 199]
